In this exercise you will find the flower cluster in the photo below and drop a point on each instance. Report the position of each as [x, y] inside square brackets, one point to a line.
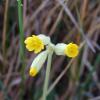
[38, 43]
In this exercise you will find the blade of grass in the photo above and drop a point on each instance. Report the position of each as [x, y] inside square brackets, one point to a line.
[21, 27]
[5, 25]
[22, 56]
[4, 30]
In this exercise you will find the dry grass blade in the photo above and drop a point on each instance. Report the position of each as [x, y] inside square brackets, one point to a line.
[5, 25]
[84, 9]
[1, 57]
[96, 98]
[75, 23]
[69, 13]
[24, 12]
[94, 75]
[59, 77]
[36, 13]
[56, 23]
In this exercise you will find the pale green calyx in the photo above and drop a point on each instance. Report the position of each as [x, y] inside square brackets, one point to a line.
[46, 40]
[59, 49]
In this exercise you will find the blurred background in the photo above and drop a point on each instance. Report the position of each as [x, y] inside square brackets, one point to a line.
[64, 21]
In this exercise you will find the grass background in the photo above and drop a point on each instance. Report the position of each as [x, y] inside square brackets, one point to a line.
[65, 21]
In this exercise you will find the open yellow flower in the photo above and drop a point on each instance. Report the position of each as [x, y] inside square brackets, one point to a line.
[34, 43]
[71, 50]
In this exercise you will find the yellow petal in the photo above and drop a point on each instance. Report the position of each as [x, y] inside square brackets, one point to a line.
[34, 43]
[28, 40]
[71, 50]
[33, 71]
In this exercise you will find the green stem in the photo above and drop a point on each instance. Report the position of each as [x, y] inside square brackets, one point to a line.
[21, 31]
[22, 56]
[46, 82]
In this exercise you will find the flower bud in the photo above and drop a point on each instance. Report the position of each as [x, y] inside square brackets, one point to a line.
[38, 63]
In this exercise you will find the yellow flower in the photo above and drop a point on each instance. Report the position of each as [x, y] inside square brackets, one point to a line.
[34, 43]
[71, 50]
[37, 43]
